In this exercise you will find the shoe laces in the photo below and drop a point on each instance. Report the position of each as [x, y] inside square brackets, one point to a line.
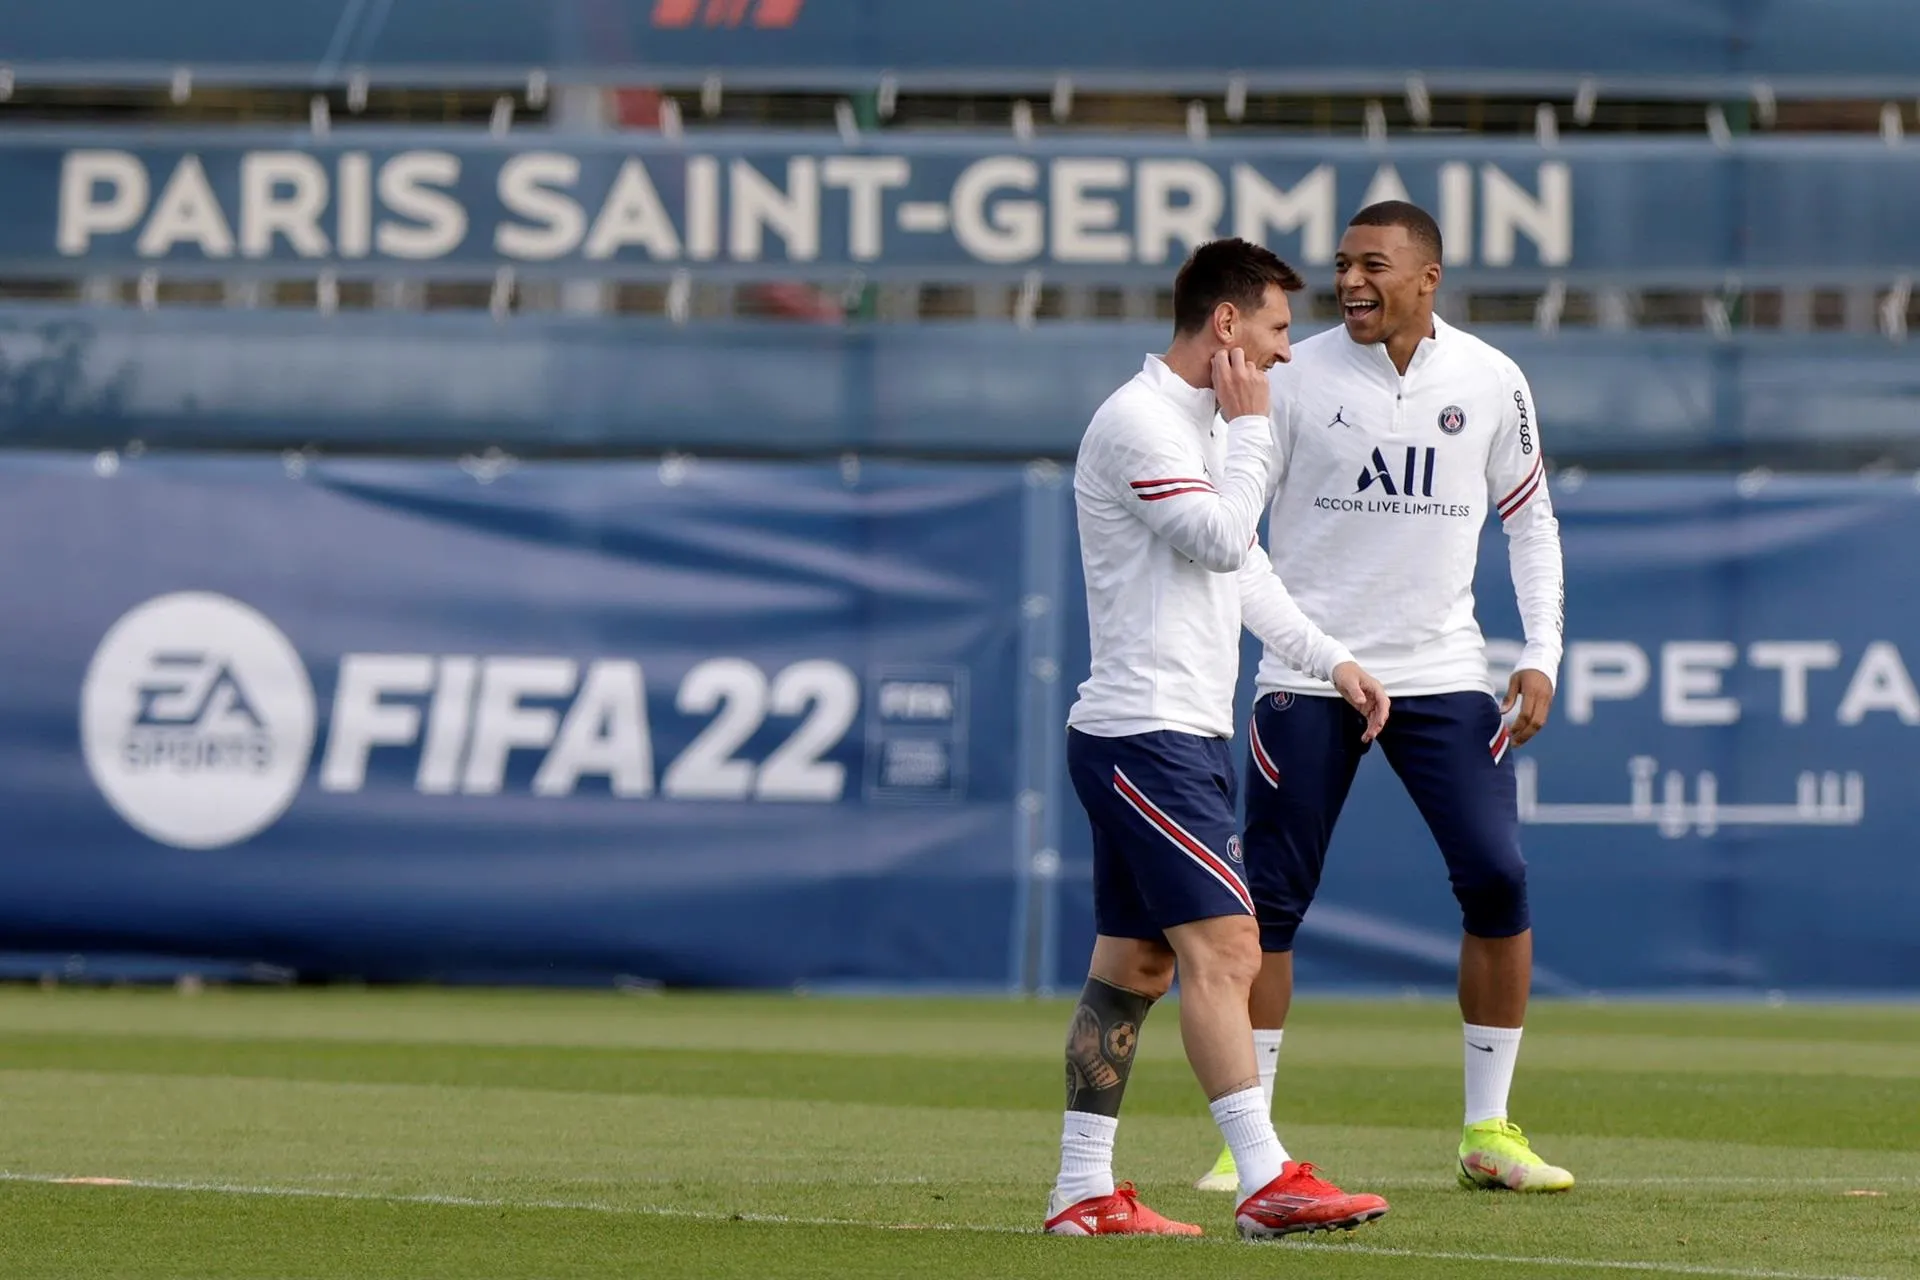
[1142, 1214]
[1511, 1131]
[1306, 1175]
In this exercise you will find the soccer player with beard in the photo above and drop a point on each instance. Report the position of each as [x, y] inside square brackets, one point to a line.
[1169, 484]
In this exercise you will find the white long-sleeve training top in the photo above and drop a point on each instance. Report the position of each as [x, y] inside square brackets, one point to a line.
[1384, 482]
[1169, 498]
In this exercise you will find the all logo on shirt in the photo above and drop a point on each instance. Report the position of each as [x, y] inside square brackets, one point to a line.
[1392, 483]
[1379, 474]
[1453, 419]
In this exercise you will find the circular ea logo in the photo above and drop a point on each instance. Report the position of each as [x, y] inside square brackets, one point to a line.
[197, 720]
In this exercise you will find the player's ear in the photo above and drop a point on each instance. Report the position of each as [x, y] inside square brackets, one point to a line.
[1430, 277]
[1226, 322]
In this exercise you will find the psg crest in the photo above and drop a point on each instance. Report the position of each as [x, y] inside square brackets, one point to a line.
[1281, 701]
[1453, 419]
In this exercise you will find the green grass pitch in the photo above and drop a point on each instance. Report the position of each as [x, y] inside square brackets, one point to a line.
[426, 1133]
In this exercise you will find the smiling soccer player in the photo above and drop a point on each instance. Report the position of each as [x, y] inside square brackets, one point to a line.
[1398, 434]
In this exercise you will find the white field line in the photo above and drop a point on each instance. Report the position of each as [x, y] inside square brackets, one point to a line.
[709, 1215]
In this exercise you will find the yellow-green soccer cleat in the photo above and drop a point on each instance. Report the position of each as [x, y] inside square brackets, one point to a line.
[1223, 1176]
[1495, 1156]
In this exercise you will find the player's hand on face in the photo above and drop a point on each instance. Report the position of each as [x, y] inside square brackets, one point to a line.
[1365, 694]
[1535, 692]
[1239, 385]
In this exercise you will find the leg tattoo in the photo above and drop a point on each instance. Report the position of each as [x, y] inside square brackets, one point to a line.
[1100, 1044]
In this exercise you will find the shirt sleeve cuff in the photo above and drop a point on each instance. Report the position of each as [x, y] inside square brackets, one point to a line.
[1542, 659]
[1332, 656]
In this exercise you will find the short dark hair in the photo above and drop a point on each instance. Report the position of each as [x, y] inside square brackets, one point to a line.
[1231, 270]
[1419, 224]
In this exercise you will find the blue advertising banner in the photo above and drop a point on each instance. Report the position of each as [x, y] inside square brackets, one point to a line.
[756, 724]
[1725, 796]
[1096, 208]
[710, 724]
[981, 42]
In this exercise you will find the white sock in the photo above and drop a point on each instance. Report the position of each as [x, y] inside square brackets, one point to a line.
[1086, 1159]
[1491, 1053]
[1266, 1053]
[1248, 1128]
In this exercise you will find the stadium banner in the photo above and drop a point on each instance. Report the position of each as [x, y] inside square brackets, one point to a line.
[1107, 208]
[974, 43]
[690, 723]
[1725, 798]
[758, 724]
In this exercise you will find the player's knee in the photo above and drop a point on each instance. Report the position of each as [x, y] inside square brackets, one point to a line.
[1223, 953]
[1493, 902]
[1133, 964]
[1277, 930]
[1153, 977]
[1283, 887]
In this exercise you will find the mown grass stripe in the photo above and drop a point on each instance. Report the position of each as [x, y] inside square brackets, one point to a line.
[769, 1219]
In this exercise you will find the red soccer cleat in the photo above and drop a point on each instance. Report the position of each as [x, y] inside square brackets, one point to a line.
[1120, 1214]
[1298, 1201]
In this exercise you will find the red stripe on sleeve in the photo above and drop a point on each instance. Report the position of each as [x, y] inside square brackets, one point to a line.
[1538, 463]
[1506, 513]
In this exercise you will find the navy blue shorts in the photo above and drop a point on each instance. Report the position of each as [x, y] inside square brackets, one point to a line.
[1166, 848]
[1302, 754]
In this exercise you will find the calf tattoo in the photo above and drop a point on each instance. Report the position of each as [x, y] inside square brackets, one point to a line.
[1100, 1044]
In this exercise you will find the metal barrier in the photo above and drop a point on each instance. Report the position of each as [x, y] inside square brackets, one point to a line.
[1696, 49]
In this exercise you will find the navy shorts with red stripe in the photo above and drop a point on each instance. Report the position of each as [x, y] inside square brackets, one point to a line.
[1166, 843]
[1450, 752]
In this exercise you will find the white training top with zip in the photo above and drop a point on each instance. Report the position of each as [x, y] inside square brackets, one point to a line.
[1169, 498]
[1384, 483]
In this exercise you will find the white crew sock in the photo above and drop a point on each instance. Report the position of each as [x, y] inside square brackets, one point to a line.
[1248, 1128]
[1266, 1053]
[1086, 1159]
[1491, 1053]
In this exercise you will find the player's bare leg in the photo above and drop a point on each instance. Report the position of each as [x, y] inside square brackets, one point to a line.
[1267, 1007]
[1272, 997]
[1218, 961]
[1495, 976]
[1125, 978]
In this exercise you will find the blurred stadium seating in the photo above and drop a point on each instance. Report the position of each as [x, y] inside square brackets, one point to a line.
[839, 232]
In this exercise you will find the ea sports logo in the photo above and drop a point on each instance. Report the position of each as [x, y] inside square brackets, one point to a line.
[197, 720]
